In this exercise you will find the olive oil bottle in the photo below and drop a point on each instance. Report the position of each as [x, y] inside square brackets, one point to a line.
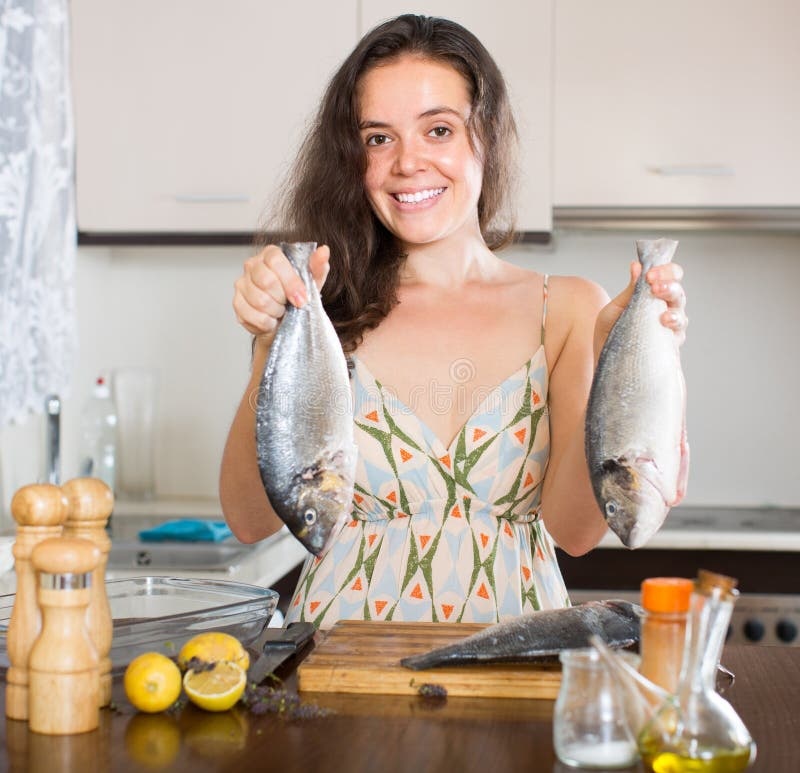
[697, 730]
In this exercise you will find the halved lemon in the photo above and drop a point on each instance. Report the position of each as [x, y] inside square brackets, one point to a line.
[215, 689]
[214, 646]
[152, 682]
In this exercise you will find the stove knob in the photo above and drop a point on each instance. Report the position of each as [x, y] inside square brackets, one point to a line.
[754, 630]
[786, 631]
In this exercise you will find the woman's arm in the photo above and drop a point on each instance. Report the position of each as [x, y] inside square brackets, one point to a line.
[569, 508]
[261, 293]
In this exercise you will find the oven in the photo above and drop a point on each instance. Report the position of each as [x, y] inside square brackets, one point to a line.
[758, 546]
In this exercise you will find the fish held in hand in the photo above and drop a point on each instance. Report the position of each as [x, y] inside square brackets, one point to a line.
[304, 419]
[539, 636]
[636, 444]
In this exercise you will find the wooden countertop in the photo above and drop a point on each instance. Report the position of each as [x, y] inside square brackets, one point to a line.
[385, 733]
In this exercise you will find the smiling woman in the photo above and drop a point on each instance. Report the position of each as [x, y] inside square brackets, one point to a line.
[469, 375]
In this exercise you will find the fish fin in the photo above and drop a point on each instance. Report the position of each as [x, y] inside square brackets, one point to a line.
[683, 470]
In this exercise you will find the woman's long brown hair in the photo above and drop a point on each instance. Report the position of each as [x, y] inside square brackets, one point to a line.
[325, 200]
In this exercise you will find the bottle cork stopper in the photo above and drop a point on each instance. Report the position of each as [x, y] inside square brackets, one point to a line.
[708, 581]
[90, 499]
[65, 555]
[666, 594]
[39, 504]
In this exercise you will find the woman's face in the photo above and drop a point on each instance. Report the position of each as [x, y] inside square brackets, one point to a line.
[423, 178]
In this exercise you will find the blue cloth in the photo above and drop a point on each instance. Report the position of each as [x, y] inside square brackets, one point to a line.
[187, 530]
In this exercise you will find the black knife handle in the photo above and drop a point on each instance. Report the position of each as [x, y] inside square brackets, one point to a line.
[298, 634]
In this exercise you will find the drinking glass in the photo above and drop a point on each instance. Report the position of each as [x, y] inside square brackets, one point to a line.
[135, 400]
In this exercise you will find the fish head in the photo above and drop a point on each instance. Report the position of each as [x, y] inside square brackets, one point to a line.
[322, 500]
[633, 507]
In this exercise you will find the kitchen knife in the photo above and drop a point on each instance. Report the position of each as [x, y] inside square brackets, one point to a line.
[275, 645]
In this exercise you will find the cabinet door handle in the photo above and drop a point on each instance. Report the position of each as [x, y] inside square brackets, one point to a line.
[211, 198]
[692, 170]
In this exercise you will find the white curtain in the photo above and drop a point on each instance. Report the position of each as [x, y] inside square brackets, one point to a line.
[37, 206]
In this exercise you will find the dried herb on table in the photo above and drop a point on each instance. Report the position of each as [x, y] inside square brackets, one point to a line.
[261, 699]
[428, 690]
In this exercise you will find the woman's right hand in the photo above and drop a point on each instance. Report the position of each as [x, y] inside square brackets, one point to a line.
[268, 283]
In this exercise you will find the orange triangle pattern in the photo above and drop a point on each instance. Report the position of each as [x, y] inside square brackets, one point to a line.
[536, 398]
[296, 601]
[484, 539]
[482, 592]
[528, 480]
[447, 610]
[455, 512]
[353, 523]
[477, 434]
[401, 514]
[371, 539]
[392, 496]
[372, 416]
[357, 584]
[424, 540]
[416, 593]
[520, 434]
[359, 499]
[379, 606]
[507, 529]
[526, 573]
[313, 606]
[445, 460]
[404, 455]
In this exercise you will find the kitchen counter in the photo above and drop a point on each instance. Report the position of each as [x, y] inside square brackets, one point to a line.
[386, 733]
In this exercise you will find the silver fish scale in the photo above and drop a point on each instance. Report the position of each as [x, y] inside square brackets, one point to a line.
[540, 636]
[637, 401]
[304, 413]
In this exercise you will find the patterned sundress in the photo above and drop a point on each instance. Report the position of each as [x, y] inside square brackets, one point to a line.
[442, 533]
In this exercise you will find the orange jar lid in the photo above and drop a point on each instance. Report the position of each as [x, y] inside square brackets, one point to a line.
[666, 594]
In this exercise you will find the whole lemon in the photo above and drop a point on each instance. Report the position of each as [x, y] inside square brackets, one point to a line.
[212, 647]
[152, 682]
[217, 688]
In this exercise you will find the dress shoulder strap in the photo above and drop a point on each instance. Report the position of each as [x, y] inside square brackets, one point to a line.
[544, 304]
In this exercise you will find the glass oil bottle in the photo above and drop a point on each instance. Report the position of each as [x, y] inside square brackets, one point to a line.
[697, 730]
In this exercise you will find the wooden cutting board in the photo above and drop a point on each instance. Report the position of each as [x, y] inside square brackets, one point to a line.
[364, 657]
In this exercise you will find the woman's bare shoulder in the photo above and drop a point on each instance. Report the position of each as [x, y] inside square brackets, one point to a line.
[574, 299]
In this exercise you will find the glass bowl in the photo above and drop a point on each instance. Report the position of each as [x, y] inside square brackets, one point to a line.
[160, 614]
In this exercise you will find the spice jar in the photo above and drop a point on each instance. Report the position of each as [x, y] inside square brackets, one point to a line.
[590, 728]
[666, 605]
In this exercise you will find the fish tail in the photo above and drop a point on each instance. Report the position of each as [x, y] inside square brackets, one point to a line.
[298, 254]
[430, 659]
[655, 252]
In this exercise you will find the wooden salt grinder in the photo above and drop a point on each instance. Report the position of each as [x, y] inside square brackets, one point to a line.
[63, 668]
[90, 505]
[39, 510]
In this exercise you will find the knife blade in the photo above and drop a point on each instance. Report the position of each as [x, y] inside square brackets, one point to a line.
[274, 645]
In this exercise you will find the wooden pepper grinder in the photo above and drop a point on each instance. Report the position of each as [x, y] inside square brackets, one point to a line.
[90, 505]
[63, 667]
[39, 510]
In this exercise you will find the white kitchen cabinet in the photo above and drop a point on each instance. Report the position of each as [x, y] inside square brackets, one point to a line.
[676, 104]
[518, 35]
[188, 111]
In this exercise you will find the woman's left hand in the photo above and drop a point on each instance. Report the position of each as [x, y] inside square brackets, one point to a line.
[665, 283]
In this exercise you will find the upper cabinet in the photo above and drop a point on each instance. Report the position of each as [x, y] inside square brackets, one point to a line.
[188, 113]
[519, 38]
[676, 104]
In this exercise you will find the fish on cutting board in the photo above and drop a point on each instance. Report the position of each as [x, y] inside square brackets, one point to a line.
[304, 419]
[636, 445]
[540, 636]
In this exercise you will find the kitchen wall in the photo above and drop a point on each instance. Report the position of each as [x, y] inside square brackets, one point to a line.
[169, 309]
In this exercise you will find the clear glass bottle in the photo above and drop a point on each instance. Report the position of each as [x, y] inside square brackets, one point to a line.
[99, 435]
[665, 601]
[697, 730]
[590, 729]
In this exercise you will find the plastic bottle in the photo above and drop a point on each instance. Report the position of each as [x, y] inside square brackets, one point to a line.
[666, 606]
[99, 435]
